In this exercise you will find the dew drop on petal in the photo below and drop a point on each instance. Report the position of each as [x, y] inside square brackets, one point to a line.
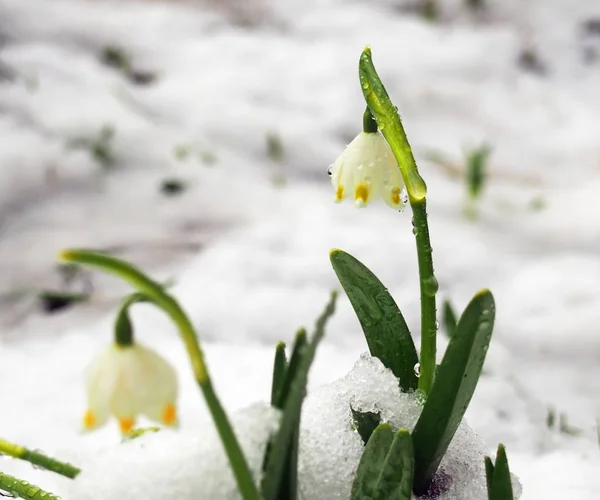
[330, 170]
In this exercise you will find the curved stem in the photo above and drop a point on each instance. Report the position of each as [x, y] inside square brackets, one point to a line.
[388, 120]
[169, 305]
[124, 336]
[23, 489]
[38, 459]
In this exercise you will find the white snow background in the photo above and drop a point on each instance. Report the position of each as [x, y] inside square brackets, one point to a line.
[247, 244]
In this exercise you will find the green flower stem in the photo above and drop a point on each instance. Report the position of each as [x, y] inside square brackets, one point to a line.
[167, 303]
[388, 120]
[38, 459]
[123, 328]
[23, 489]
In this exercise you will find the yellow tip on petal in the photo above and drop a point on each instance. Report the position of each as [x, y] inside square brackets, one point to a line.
[89, 420]
[169, 415]
[361, 195]
[339, 194]
[126, 424]
[396, 196]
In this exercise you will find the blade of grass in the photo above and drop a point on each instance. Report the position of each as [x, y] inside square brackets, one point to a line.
[449, 318]
[279, 368]
[489, 476]
[287, 435]
[453, 388]
[501, 483]
[385, 329]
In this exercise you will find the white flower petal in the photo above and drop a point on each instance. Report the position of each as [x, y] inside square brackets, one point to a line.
[367, 170]
[128, 381]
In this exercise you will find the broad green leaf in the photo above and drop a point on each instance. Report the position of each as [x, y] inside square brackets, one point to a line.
[382, 322]
[279, 371]
[365, 422]
[453, 388]
[385, 471]
[449, 318]
[371, 463]
[501, 484]
[396, 476]
[280, 460]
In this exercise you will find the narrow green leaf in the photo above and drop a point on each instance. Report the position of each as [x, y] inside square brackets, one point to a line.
[371, 463]
[291, 371]
[287, 435]
[489, 476]
[365, 422]
[449, 318]
[453, 387]
[395, 479]
[382, 322]
[501, 484]
[279, 370]
[476, 169]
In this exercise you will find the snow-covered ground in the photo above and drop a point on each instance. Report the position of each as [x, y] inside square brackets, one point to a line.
[247, 243]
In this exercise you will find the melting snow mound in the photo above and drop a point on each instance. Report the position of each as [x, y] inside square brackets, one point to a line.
[191, 464]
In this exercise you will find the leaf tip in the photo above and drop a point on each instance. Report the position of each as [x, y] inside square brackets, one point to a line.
[66, 254]
[334, 251]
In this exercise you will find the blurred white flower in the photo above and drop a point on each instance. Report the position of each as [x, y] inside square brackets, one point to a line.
[367, 170]
[127, 381]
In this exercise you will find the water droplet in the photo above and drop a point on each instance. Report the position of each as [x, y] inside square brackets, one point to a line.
[365, 85]
[403, 195]
[330, 170]
[437, 324]
[417, 369]
[413, 221]
[415, 231]
[430, 285]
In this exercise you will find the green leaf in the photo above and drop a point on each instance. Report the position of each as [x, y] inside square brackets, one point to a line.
[371, 463]
[286, 438]
[489, 475]
[476, 169]
[501, 484]
[449, 318]
[279, 371]
[291, 372]
[385, 471]
[453, 387]
[365, 422]
[382, 322]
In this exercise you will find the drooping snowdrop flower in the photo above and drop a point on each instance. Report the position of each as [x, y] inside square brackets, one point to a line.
[367, 170]
[127, 381]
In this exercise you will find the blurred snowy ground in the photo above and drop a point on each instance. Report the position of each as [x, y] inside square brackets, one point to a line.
[248, 242]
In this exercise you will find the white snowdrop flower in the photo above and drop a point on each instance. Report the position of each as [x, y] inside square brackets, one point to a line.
[367, 170]
[127, 381]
